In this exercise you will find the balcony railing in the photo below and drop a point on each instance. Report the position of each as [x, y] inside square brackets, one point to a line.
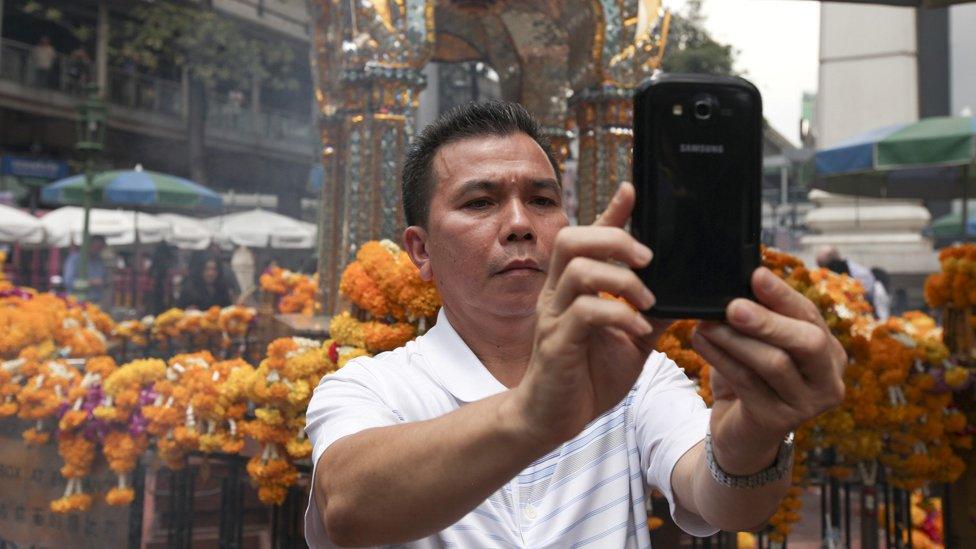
[141, 91]
[135, 90]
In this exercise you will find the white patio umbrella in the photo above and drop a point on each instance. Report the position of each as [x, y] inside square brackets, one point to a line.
[263, 229]
[20, 227]
[119, 227]
[187, 233]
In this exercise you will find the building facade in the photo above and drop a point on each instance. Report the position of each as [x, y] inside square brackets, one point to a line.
[256, 139]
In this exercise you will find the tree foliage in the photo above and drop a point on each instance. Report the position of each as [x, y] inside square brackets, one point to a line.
[213, 48]
[690, 47]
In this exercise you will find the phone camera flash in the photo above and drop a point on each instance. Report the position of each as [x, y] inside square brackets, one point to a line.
[677, 110]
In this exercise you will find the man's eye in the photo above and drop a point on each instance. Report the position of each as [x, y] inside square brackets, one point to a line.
[478, 204]
[544, 201]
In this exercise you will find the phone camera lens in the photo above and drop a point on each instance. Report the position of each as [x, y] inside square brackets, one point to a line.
[703, 110]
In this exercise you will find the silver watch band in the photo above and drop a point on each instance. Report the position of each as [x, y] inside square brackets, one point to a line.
[776, 471]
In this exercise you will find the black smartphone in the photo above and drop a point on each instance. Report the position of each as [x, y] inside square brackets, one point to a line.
[698, 175]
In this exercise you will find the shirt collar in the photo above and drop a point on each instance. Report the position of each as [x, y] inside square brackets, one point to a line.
[453, 363]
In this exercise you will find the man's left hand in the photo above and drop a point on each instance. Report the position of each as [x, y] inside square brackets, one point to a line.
[775, 365]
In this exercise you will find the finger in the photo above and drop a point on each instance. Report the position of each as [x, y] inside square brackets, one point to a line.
[743, 382]
[811, 345]
[771, 364]
[589, 276]
[800, 338]
[588, 313]
[777, 295]
[603, 243]
[618, 210]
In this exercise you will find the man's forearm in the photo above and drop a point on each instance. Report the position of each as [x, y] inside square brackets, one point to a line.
[404, 482]
[723, 507]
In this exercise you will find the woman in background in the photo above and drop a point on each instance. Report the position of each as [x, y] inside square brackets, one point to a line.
[206, 284]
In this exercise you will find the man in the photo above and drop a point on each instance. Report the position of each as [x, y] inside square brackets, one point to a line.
[534, 413]
[97, 271]
[42, 55]
[875, 292]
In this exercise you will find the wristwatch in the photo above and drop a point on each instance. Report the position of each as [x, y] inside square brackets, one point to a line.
[780, 468]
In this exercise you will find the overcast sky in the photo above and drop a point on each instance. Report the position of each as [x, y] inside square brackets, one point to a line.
[778, 43]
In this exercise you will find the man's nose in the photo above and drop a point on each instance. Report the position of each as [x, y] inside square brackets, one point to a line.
[517, 222]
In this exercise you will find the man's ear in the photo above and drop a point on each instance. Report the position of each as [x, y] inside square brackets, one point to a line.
[415, 244]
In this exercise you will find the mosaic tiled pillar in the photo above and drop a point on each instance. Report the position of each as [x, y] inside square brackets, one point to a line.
[604, 118]
[559, 139]
[364, 147]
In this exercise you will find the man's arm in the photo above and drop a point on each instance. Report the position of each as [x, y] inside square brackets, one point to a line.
[723, 507]
[405, 482]
[775, 366]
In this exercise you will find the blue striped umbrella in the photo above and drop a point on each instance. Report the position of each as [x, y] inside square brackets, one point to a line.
[136, 188]
[931, 158]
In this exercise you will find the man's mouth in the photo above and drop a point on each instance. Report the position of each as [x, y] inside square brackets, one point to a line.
[523, 266]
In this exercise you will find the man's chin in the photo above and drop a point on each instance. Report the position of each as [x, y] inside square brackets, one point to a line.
[517, 306]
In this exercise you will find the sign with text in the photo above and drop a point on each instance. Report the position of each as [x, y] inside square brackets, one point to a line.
[41, 168]
[29, 480]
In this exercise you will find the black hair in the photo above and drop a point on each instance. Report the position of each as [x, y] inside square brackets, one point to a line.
[490, 118]
[881, 276]
[195, 292]
[839, 266]
[198, 264]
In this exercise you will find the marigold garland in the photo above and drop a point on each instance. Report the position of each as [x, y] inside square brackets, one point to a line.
[298, 292]
[893, 413]
[408, 296]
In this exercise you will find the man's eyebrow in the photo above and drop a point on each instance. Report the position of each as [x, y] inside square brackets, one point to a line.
[488, 186]
[546, 184]
[483, 185]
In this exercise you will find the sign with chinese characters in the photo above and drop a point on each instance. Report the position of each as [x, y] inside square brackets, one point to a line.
[29, 480]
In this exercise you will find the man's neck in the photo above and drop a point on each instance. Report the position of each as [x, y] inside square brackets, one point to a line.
[502, 344]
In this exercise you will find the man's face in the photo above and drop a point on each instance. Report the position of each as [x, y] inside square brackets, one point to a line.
[494, 214]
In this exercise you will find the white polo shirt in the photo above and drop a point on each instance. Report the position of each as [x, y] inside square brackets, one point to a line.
[588, 492]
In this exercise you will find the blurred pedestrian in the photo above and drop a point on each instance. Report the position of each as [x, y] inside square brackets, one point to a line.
[43, 56]
[79, 70]
[206, 284]
[882, 293]
[829, 257]
[97, 270]
[163, 258]
[243, 266]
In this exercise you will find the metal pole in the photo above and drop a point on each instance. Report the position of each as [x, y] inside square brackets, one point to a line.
[1, 33]
[947, 518]
[101, 48]
[81, 281]
[965, 203]
[869, 516]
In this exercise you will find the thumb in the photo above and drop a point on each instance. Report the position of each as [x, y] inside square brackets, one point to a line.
[618, 210]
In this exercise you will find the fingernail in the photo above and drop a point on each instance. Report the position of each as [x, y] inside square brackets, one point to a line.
[649, 299]
[642, 252]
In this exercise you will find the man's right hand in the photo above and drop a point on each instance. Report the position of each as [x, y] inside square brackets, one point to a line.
[588, 351]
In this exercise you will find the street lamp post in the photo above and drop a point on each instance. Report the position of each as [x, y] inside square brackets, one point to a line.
[90, 141]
